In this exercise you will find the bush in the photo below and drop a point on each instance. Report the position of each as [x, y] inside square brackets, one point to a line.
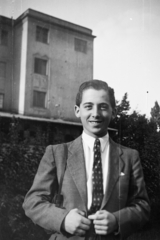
[14, 225]
[18, 164]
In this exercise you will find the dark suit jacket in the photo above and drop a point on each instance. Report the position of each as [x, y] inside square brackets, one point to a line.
[125, 194]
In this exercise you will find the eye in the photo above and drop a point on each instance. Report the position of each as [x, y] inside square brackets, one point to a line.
[88, 107]
[104, 107]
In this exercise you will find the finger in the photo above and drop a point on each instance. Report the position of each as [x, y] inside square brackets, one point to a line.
[102, 211]
[92, 217]
[84, 227]
[102, 221]
[101, 232]
[100, 227]
[100, 215]
[96, 217]
[82, 213]
[79, 232]
[86, 221]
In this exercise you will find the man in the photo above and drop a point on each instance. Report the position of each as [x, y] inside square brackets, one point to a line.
[103, 189]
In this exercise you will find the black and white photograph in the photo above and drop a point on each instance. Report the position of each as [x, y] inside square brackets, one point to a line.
[79, 120]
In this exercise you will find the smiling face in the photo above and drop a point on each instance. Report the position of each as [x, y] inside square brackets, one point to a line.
[95, 112]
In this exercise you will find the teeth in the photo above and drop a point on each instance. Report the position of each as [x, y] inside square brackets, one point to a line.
[95, 122]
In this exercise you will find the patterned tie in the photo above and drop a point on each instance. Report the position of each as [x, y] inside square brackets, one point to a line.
[97, 178]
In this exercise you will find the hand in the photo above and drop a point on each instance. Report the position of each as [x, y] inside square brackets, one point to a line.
[104, 222]
[75, 222]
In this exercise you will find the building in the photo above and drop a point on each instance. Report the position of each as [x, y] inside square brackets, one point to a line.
[43, 60]
[6, 63]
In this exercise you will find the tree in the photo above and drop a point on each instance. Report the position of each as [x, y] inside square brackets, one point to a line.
[124, 106]
[137, 132]
[120, 121]
[155, 114]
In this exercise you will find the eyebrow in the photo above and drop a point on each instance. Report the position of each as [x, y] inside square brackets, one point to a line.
[104, 103]
[87, 103]
[91, 103]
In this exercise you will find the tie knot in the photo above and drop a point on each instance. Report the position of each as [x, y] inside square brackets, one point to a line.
[97, 140]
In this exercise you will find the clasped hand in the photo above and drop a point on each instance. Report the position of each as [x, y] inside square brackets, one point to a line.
[104, 222]
[77, 224]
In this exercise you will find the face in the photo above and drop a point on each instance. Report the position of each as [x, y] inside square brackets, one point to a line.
[95, 112]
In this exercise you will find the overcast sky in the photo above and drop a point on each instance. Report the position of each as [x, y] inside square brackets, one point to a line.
[127, 46]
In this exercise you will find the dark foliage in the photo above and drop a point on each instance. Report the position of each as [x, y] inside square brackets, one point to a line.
[20, 156]
[138, 132]
[18, 164]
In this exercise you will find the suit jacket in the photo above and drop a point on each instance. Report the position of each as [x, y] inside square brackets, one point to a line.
[125, 194]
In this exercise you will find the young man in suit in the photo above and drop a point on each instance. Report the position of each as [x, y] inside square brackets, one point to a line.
[104, 195]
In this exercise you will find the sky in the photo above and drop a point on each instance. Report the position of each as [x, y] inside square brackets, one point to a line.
[127, 43]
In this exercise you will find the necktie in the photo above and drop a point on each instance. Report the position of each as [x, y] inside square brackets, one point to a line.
[97, 178]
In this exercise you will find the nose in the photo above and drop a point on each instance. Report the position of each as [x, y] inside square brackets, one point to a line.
[95, 112]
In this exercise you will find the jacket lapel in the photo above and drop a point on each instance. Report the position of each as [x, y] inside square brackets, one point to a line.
[115, 167]
[76, 164]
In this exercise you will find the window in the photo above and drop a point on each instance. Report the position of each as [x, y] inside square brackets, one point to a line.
[42, 34]
[40, 66]
[2, 69]
[39, 99]
[4, 38]
[1, 100]
[80, 45]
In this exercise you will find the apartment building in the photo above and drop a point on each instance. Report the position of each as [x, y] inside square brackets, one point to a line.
[43, 60]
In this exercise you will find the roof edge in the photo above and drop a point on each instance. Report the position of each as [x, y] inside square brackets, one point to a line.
[55, 21]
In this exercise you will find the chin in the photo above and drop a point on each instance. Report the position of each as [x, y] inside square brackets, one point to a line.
[98, 134]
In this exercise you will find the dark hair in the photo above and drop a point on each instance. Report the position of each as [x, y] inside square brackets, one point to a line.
[98, 85]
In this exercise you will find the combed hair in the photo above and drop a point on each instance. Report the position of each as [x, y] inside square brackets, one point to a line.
[97, 85]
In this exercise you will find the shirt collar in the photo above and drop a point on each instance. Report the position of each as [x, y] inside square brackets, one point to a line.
[89, 141]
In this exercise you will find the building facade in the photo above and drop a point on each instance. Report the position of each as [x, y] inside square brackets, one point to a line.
[6, 66]
[43, 60]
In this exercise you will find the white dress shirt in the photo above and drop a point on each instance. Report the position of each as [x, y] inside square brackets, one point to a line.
[88, 145]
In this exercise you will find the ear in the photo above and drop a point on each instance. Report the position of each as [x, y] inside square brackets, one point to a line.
[114, 113]
[77, 111]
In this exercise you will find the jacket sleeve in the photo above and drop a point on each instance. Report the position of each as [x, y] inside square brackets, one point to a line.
[137, 211]
[37, 203]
